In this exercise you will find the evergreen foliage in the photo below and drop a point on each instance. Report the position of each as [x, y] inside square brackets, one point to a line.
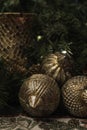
[9, 87]
[61, 25]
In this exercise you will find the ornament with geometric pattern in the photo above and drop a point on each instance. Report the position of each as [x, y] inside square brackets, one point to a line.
[39, 95]
[74, 93]
[58, 66]
[14, 39]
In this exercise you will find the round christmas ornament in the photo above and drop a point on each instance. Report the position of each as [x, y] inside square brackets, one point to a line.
[14, 38]
[58, 66]
[74, 93]
[39, 95]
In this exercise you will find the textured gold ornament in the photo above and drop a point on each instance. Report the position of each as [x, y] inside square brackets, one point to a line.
[58, 66]
[39, 95]
[74, 93]
[14, 38]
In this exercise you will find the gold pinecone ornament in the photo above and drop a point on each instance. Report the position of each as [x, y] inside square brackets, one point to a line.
[74, 93]
[39, 95]
[14, 38]
[58, 66]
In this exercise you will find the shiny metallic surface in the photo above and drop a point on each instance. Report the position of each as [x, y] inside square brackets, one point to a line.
[14, 38]
[58, 66]
[39, 95]
[74, 94]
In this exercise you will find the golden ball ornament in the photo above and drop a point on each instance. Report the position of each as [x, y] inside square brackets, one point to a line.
[58, 66]
[74, 94]
[39, 95]
[14, 39]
